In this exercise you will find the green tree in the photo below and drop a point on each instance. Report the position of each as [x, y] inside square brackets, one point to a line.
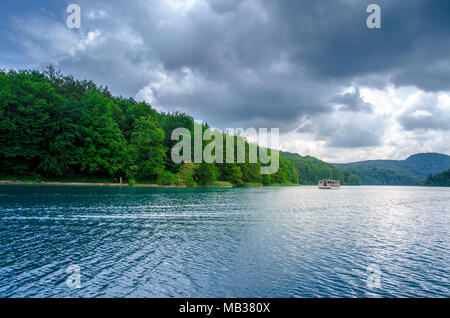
[36, 131]
[103, 149]
[232, 173]
[147, 149]
[205, 174]
[186, 174]
[354, 180]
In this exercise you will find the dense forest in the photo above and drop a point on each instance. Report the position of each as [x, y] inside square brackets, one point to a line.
[56, 128]
[439, 180]
[311, 170]
[375, 176]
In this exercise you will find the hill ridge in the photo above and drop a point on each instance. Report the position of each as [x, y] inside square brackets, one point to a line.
[409, 171]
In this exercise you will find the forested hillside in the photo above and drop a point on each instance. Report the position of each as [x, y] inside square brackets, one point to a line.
[56, 127]
[311, 170]
[439, 180]
[398, 172]
[374, 176]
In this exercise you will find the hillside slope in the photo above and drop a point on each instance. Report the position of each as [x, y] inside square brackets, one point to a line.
[311, 170]
[440, 180]
[57, 128]
[398, 172]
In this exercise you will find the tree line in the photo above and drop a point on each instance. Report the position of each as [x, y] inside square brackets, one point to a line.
[311, 170]
[55, 127]
[439, 180]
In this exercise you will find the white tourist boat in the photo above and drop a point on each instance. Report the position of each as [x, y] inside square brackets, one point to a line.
[329, 184]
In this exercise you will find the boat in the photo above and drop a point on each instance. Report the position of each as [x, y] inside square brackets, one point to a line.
[329, 184]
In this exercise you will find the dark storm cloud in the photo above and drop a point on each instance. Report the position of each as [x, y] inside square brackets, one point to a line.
[263, 63]
[331, 39]
[352, 101]
[353, 137]
[347, 129]
[224, 6]
[431, 122]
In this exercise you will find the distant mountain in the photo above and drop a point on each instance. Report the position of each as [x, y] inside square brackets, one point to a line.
[398, 172]
[311, 170]
[440, 180]
[374, 176]
[425, 164]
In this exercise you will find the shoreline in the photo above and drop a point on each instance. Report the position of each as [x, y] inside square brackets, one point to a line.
[118, 185]
[80, 184]
[143, 185]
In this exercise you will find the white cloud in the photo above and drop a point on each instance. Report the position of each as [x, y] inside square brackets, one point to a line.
[390, 106]
[46, 42]
[426, 111]
[421, 114]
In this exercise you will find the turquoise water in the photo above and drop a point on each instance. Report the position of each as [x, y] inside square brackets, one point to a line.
[256, 242]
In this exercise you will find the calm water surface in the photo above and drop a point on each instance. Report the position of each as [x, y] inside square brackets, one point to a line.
[262, 242]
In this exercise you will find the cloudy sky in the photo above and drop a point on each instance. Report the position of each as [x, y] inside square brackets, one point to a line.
[336, 89]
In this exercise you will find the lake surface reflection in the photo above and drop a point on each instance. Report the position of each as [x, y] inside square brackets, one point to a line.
[256, 242]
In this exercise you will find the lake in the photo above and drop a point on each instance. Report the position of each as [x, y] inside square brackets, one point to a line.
[249, 242]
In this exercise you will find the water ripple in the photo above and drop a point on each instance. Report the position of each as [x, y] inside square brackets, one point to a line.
[268, 242]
